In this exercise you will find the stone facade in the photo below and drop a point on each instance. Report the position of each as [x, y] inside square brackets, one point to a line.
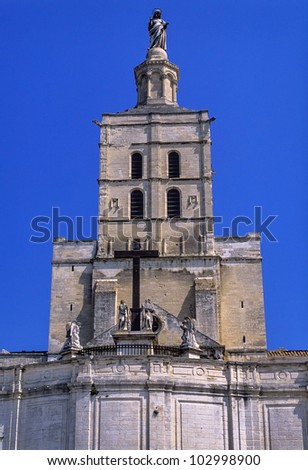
[222, 291]
[155, 402]
[228, 304]
[149, 387]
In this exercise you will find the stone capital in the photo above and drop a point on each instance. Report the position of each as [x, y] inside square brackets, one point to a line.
[106, 285]
[204, 283]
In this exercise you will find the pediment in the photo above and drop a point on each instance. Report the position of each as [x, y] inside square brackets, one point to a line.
[167, 328]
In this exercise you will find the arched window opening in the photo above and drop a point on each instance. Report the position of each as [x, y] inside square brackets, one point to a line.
[136, 204]
[173, 165]
[136, 166]
[169, 87]
[173, 203]
[143, 89]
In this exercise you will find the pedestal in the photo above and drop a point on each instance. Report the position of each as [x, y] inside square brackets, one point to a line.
[132, 343]
[189, 352]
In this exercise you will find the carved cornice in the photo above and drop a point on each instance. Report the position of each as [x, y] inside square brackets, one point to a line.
[151, 179]
[161, 62]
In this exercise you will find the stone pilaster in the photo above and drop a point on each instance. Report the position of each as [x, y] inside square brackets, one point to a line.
[206, 307]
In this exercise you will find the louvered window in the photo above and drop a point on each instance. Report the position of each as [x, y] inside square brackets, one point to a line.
[173, 165]
[136, 167]
[173, 203]
[136, 204]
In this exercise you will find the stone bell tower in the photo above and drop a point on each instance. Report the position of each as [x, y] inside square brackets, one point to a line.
[155, 169]
[155, 199]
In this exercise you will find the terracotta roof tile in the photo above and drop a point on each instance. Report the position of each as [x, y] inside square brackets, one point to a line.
[288, 353]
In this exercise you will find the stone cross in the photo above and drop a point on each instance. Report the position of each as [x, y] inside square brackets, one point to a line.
[136, 255]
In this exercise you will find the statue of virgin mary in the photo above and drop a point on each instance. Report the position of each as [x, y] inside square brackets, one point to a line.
[157, 30]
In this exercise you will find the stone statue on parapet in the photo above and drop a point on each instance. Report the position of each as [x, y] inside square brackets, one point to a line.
[124, 319]
[147, 311]
[72, 341]
[189, 334]
[157, 30]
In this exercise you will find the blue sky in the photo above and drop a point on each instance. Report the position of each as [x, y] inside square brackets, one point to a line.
[64, 62]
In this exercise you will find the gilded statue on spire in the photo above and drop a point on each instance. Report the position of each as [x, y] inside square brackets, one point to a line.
[157, 30]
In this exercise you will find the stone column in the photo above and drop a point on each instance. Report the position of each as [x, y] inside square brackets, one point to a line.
[104, 305]
[164, 78]
[148, 75]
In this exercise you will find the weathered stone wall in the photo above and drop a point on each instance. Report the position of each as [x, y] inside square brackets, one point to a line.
[71, 291]
[168, 282]
[121, 402]
[242, 323]
[242, 308]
